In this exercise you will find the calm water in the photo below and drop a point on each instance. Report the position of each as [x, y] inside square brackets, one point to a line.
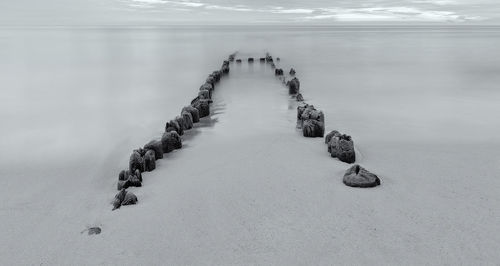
[76, 101]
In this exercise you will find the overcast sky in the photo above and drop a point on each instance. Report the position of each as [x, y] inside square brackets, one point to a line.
[165, 12]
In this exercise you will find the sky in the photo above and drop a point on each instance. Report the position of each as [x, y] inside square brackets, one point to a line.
[225, 12]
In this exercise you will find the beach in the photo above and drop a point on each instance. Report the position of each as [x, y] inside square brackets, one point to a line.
[247, 188]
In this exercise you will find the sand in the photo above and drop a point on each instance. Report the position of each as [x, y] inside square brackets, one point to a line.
[247, 188]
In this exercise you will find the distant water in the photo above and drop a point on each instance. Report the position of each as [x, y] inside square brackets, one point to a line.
[75, 101]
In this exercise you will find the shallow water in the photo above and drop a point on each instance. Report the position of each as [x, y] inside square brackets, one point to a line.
[420, 103]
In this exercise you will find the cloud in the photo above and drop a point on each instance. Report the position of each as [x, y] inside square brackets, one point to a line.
[396, 13]
[370, 10]
[230, 8]
[436, 2]
[291, 11]
[152, 3]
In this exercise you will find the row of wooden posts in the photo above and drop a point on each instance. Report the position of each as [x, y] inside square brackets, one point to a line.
[310, 120]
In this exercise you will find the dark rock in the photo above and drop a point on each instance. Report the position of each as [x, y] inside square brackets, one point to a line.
[207, 86]
[262, 60]
[231, 57]
[357, 176]
[216, 74]
[306, 112]
[278, 59]
[313, 128]
[269, 58]
[300, 111]
[292, 72]
[134, 181]
[203, 107]
[204, 94]
[123, 175]
[138, 175]
[136, 162]
[188, 120]
[194, 113]
[184, 122]
[311, 121]
[278, 72]
[225, 67]
[141, 151]
[210, 80]
[225, 70]
[293, 86]
[155, 145]
[196, 99]
[341, 146]
[330, 135]
[299, 98]
[173, 125]
[238, 61]
[150, 160]
[122, 184]
[171, 141]
[250, 60]
[129, 199]
[119, 197]
[94, 230]
[311, 113]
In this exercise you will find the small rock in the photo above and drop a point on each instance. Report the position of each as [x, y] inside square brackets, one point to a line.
[123, 175]
[341, 146]
[94, 230]
[149, 160]
[137, 174]
[130, 199]
[122, 184]
[210, 80]
[194, 113]
[216, 74]
[313, 129]
[188, 120]
[357, 176]
[203, 107]
[134, 181]
[136, 162]
[330, 135]
[204, 94]
[299, 98]
[171, 141]
[124, 197]
[173, 125]
[117, 202]
[293, 86]
[206, 86]
[155, 145]
[225, 67]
